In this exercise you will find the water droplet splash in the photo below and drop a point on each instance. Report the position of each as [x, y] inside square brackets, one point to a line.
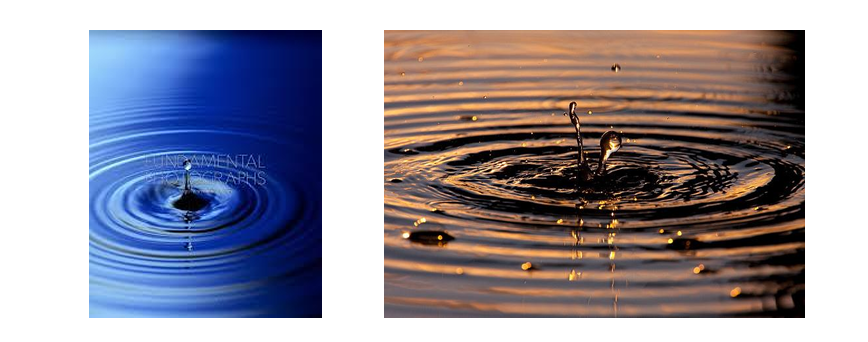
[584, 171]
[616, 67]
[610, 143]
[189, 200]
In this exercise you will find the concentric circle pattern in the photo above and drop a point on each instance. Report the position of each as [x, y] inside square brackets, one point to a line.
[701, 212]
[247, 252]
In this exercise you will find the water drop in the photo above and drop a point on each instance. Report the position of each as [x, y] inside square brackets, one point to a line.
[189, 200]
[430, 237]
[421, 59]
[610, 143]
[735, 292]
[616, 67]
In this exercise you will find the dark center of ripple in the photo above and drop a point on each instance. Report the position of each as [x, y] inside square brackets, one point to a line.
[190, 200]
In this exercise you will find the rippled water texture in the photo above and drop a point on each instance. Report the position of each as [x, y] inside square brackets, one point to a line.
[254, 246]
[702, 212]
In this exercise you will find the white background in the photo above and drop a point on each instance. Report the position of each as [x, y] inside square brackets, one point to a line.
[44, 162]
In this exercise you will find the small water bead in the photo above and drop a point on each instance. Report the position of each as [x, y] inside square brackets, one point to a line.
[429, 237]
[735, 292]
[616, 67]
[610, 143]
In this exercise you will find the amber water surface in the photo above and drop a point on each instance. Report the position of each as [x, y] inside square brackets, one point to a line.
[701, 213]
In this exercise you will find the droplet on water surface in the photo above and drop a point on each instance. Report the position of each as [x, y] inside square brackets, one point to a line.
[429, 237]
[735, 292]
[616, 67]
[189, 200]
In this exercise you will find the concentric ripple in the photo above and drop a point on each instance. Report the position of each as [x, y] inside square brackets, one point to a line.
[251, 246]
[701, 212]
[158, 260]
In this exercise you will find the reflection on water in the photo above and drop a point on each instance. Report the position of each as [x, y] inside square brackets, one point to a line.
[702, 209]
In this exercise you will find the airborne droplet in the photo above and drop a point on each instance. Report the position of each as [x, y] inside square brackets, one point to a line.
[610, 143]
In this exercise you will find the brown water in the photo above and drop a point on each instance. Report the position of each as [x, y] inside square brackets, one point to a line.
[702, 210]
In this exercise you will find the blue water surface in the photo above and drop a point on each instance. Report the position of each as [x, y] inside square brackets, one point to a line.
[245, 107]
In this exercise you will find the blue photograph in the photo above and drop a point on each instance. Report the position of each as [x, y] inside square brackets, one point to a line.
[205, 174]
